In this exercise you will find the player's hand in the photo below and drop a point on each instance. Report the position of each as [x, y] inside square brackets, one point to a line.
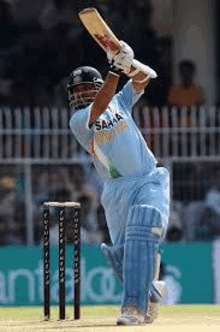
[122, 61]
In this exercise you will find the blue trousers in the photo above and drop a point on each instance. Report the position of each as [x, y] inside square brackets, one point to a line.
[137, 213]
[120, 194]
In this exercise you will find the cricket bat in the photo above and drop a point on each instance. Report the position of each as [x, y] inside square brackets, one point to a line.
[105, 37]
[99, 30]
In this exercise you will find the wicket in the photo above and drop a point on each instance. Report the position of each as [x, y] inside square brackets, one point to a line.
[46, 257]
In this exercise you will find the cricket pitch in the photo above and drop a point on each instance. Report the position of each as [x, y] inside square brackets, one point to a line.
[180, 318]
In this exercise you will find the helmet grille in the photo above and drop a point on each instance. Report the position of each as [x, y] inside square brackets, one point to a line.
[83, 99]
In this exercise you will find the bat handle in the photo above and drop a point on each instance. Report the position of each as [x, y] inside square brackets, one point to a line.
[144, 68]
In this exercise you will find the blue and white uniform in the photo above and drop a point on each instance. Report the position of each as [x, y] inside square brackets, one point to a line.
[136, 192]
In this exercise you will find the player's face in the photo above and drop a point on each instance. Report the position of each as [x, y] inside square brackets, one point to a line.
[82, 95]
[85, 90]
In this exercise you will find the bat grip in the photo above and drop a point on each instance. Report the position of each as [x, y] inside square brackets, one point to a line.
[140, 67]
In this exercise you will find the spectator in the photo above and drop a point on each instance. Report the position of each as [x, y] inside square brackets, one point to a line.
[80, 188]
[187, 93]
[61, 195]
[89, 234]
[203, 229]
[49, 185]
[13, 236]
[212, 199]
[174, 234]
[145, 42]
[7, 199]
[101, 219]
[9, 227]
[20, 215]
[174, 231]
[52, 180]
[208, 226]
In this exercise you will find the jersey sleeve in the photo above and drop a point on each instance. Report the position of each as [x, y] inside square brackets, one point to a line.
[127, 97]
[80, 128]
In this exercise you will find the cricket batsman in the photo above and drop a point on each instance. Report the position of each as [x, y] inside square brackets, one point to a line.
[136, 194]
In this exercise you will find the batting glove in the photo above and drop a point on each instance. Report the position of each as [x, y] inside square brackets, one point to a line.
[121, 62]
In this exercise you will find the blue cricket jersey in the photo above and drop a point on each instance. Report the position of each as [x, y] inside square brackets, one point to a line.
[116, 144]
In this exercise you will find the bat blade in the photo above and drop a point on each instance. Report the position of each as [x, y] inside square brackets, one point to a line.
[99, 30]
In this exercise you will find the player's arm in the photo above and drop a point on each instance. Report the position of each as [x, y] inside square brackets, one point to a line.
[140, 75]
[103, 97]
[139, 79]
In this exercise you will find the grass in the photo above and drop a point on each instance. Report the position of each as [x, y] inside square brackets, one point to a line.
[202, 309]
[35, 313]
[102, 319]
[27, 313]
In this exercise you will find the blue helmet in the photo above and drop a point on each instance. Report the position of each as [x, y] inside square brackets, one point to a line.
[83, 75]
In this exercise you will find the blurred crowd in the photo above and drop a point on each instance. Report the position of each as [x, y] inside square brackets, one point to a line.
[45, 41]
[195, 207]
[42, 42]
[78, 183]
